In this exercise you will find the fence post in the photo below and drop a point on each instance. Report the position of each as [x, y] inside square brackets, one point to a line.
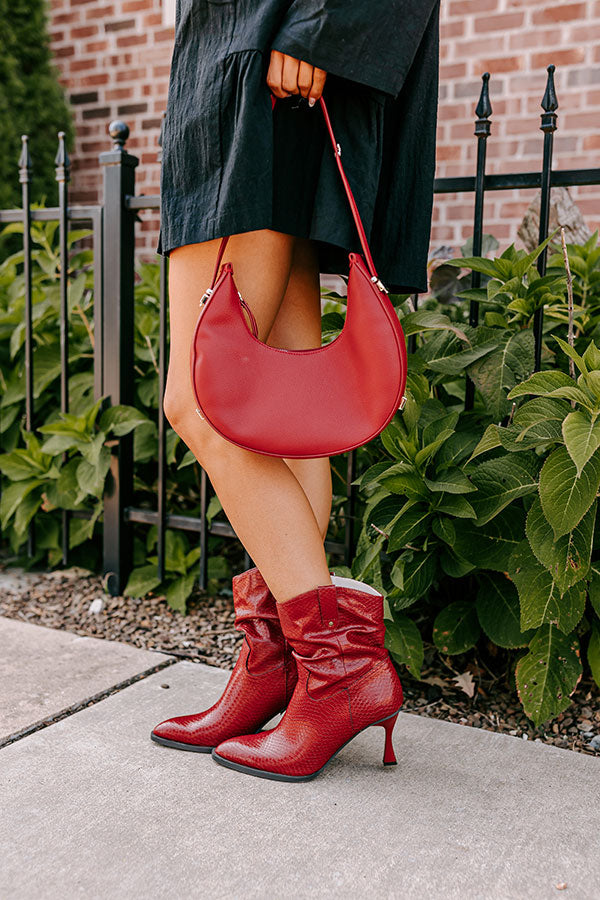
[483, 129]
[118, 241]
[548, 126]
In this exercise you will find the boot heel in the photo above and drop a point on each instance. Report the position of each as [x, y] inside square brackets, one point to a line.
[389, 757]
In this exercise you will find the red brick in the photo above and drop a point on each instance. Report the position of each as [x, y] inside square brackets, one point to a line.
[538, 37]
[503, 22]
[95, 47]
[83, 32]
[499, 64]
[132, 40]
[84, 65]
[451, 29]
[471, 7]
[560, 13]
[566, 57]
[581, 120]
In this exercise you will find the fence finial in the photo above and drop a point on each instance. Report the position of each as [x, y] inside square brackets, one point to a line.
[483, 110]
[24, 161]
[550, 101]
[119, 132]
[61, 160]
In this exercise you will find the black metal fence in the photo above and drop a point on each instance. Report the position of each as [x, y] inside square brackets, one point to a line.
[113, 235]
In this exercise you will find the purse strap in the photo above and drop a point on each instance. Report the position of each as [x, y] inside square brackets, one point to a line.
[337, 150]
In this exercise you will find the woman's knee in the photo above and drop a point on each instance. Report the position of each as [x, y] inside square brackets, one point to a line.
[194, 431]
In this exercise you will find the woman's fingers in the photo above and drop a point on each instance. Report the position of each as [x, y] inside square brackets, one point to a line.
[305, 77]
[275, 73]
[318, 83]
[288, 75]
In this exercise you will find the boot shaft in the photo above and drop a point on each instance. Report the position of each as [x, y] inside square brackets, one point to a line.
[337, 633]
[256, 615]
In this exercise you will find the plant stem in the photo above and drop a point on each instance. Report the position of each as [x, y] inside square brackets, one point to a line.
[570, 296]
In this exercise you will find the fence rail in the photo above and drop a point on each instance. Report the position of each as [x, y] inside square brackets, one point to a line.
[113, 239]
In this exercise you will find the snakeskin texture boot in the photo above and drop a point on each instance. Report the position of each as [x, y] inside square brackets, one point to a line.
[346, 682]
[260, 684]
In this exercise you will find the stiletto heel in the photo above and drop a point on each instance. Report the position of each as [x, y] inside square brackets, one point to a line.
[389, 757]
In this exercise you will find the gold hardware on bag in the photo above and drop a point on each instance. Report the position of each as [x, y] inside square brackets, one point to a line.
[205, 296]
[402, 403]
[379, 283]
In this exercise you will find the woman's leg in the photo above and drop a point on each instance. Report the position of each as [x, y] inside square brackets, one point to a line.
[297, 326]
[261, 496]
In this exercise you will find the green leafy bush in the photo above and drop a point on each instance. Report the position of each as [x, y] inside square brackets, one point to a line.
[479, 525]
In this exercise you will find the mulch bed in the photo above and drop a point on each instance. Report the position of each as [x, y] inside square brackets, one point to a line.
[62, 599]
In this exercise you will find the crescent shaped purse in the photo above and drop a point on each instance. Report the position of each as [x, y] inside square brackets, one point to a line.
[300, 403]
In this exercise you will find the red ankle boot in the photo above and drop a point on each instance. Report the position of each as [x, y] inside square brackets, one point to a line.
[346, 682]
[260, 685]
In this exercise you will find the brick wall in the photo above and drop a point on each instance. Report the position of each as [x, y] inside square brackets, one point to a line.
[515, 40]
[114, 58]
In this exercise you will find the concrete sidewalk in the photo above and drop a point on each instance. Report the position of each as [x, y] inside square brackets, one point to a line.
[45, 672]
[92, 808]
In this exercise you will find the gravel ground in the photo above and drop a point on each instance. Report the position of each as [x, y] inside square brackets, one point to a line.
[470, 695]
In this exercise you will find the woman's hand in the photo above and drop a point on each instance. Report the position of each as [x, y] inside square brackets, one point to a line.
[288, 75]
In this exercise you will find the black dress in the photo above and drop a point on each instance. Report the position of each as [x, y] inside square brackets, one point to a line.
[232, 164]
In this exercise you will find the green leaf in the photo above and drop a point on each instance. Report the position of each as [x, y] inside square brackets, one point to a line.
[26, 510]
[490, 546]
[536, 423]
[404, 642]
[141, 581]
[565, 496]
[594, 588]
[572, 353]
[476, 264]
[429, 320]
[551, 384]
[179, 591]
[13, 496]
[409, 484]
[454, 565]
[452, 481]
[409, 526]
[489, 441]
[498, 372]
[568, 558]
[443, 527]
[414, 572]
[498, 612]
[121, 419]
[548, 674]
[593, 653]
[455, 505]
[175, 551]
[541, 602]
[500, 481]
[456, 628]
[542, 384]
[81, 530]
[581, 434]
[385, 512]
[91, 478]
[458, 360]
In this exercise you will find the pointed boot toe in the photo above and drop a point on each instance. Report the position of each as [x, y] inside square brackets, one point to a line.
[183, 733]
[260, 684]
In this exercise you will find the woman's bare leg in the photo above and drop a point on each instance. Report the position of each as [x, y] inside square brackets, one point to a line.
[297, 326]
[261, 496]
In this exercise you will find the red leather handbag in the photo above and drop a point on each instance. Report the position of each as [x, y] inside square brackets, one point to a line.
[300, 403]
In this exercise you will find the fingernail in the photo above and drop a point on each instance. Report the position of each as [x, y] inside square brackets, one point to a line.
[311, 101]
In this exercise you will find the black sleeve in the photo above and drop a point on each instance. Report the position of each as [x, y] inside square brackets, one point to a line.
[370, 41]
